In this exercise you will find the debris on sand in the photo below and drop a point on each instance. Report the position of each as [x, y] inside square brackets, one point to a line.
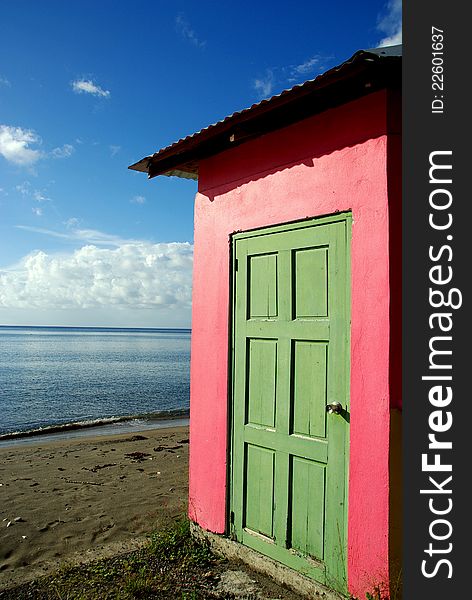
[98, 467]
[137, 456]
[166, 448]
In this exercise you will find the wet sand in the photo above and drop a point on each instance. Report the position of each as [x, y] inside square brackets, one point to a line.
[72, 500]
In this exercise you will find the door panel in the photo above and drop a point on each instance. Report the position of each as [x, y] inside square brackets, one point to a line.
[290, 359]
[311, 282]
[262, 377]
[263, 286]
[308, 487]
[259, 507]
[308, 395]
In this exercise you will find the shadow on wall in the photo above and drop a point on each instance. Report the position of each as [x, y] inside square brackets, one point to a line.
[334, 130]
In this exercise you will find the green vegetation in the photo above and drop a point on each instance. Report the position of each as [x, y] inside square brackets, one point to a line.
[377, 594]
[173, 565]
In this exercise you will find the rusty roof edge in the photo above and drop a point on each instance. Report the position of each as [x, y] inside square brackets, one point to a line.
[359, 62]
[142, 165]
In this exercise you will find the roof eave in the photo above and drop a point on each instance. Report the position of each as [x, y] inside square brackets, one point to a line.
[351, 80]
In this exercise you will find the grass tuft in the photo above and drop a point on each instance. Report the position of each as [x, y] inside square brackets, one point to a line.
[173, 565]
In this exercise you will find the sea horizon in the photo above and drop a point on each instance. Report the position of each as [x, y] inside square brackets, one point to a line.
[98, 327]
[67, 379]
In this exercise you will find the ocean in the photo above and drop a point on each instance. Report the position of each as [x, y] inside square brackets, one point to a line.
[64, 379]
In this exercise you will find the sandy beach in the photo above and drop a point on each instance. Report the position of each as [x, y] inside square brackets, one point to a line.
[70, 500]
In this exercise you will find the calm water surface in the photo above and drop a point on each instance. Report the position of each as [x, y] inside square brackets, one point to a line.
[55, 376]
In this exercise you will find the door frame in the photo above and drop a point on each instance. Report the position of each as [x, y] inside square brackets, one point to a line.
[346, 218]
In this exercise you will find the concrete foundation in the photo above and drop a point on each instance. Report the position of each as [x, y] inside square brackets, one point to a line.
[289, 578]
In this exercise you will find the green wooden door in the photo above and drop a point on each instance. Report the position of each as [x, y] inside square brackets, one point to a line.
[289, 456]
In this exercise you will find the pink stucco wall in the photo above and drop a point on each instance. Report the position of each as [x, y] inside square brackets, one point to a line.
[335, 161]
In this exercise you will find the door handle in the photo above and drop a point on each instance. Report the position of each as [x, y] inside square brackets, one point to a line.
[334, 407]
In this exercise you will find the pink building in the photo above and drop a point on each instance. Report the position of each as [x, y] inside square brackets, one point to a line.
[295, 414]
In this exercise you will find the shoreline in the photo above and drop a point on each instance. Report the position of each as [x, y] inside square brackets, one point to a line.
[103, 426]
[88, 496]
[98, 329]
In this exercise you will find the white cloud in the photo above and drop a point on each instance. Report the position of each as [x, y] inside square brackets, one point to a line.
[87, 236]
[63, 152]
[391, 24]
[114, 149]
[24, 188]
[138, 200]
[15, 145]
[186, 31]
[277, 78]
[285, 76]
[307, 67]
[265, 85]
[4, 81]
[39, 196]
[37, 211]
[72, 222]
[138, 276]
[87, 86]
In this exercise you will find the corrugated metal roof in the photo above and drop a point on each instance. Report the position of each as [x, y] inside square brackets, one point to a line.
[364, 72]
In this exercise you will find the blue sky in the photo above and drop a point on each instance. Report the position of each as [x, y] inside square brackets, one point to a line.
[86, 89]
